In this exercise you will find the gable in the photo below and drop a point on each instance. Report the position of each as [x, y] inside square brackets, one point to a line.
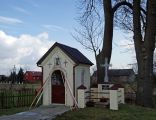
[53, 55]
[72, 53]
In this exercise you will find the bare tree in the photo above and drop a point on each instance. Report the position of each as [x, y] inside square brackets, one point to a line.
[97, 9]
[138, 16]
[89, 35]
[144, 46]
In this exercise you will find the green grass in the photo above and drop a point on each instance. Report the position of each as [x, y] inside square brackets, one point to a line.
[12, 111]
[126, 112]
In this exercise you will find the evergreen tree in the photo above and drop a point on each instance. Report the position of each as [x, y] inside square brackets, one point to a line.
[13, 77]
[20, 76]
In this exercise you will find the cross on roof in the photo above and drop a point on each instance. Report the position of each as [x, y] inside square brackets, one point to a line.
[106, 65]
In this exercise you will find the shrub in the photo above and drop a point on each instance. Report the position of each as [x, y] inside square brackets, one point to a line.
[90, 104]
[103, 99]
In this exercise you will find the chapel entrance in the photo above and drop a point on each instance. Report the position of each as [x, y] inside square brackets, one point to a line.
[58, 89]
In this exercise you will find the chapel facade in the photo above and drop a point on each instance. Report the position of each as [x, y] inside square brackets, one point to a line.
[64, 69]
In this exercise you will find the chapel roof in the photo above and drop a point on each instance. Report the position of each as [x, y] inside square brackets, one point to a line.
[73, 53]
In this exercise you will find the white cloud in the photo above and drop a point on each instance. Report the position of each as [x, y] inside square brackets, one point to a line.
[23, 51]
[126, 44]
[53, 27]
[9, 20]
[43, 36]
[22, 10]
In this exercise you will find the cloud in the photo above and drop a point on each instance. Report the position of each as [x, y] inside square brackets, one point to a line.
[33, 3]
[53, 27]
[127, 44]
[8, 20]
[23, 51]
[21, 10]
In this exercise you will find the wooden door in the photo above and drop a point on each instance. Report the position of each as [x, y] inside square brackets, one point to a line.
[58, 94]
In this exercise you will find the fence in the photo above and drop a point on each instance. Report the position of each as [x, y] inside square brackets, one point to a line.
[16, 98]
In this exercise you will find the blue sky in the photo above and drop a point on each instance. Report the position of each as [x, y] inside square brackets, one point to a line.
[34, 15]
[29, 27]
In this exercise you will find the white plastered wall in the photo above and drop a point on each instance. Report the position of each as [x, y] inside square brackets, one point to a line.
[78, 71]
[47, 72]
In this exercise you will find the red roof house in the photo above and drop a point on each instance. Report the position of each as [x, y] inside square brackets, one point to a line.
[33, 76]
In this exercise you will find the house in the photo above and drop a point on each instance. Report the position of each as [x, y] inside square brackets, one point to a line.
[3, 78]
[116, 76]
[65, 69]
[121, 75]
[33, 76]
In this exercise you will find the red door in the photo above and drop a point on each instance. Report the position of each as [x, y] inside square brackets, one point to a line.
[58, 94]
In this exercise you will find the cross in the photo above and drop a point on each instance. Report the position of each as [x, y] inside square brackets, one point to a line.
[106, 65]
[65, 63]
[49, 64]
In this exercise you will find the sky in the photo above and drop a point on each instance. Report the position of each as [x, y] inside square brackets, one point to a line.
[28, 28]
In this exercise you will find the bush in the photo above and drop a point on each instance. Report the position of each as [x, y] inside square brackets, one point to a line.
[104, 99]
[90, 104]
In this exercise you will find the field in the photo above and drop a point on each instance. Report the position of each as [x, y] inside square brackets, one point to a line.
[126, 112]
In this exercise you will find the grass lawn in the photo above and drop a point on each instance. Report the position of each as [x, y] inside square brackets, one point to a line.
[12, 111]
[126, 112]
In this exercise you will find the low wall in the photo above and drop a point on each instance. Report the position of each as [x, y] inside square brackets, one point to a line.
[94, 94]
[115, 96]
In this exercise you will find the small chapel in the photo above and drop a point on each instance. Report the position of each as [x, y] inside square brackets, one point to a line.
[66, 80]
[65, 69]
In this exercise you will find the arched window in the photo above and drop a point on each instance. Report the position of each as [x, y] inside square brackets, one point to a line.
[57, 78]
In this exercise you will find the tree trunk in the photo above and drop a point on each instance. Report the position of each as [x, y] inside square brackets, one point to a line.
[144, 52]
[107, 40]
[148, 81]
[150, 46]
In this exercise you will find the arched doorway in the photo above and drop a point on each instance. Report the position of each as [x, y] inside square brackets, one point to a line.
[58, 89]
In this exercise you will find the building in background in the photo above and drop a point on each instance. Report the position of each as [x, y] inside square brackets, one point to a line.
[33, 76]
[116, 76]
[3, 78]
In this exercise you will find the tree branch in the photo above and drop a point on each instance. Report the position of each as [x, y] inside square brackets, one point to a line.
[128, 5]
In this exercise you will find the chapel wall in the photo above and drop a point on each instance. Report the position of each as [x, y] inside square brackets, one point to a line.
[46, 87]
[78, 76]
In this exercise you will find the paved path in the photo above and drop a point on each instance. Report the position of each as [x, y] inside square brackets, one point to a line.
[41, 113]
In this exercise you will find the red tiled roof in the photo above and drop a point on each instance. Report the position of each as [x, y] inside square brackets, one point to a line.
[34, 73]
